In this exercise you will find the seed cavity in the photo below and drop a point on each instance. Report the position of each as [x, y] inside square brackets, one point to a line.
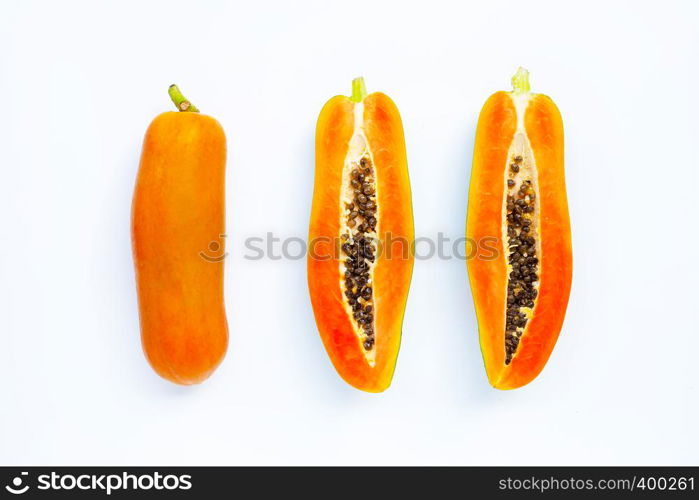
[523, 262]
[359, 250]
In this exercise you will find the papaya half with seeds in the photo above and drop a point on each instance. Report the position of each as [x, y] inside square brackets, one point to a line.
[177, 230]
[518, 196]
[361, 230]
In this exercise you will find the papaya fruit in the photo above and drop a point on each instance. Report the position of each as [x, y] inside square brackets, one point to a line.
[177, 221]
[517, 197]
[360, 258]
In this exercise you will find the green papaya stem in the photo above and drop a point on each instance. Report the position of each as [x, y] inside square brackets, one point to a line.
[181, 101]
[358, 90]
[520, 82]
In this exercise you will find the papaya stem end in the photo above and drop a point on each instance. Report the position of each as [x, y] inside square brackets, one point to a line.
[520, 81]
[181, 101]
[358, 90]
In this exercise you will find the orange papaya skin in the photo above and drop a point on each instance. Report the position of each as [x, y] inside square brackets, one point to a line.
[178, 209]
[384, 132]
[497, 125]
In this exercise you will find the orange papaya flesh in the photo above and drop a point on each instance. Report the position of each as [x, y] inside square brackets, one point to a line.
[177, 229]
[517, 197]
[361, 230]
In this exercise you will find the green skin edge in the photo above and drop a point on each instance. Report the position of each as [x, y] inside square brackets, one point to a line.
[181, 101]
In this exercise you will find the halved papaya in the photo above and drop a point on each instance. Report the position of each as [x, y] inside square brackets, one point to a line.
[518, 198]
[360, 259]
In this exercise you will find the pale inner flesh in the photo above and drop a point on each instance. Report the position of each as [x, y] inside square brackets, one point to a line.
[520, 229]
[358, 222]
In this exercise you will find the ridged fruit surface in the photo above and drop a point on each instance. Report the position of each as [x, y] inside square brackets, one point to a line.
[178, 223]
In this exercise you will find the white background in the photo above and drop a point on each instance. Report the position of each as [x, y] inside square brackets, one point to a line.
[81, 81]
